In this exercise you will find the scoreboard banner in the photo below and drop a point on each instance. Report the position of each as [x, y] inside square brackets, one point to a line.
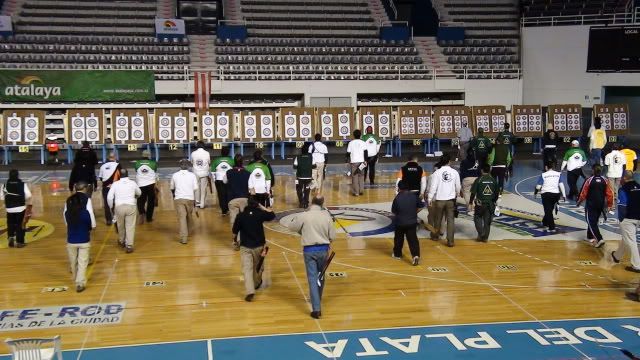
[23, 127]
[415, 122]
[527, 120]
[491, 118]
[566, 119]
[378, 118]
[449, 119]
[172, 125]
[336, 123]
[214, 125]
[615, 118]
[130, 126]
[298, 124]
[85, 125]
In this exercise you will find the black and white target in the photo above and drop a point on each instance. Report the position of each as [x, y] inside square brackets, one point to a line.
[305, 132]
[137, 121]
[77, 135]
[222, 133]
[208, 133]
[165, 121]
[92, 122]
[181, 121]
[251, 133]
[180, 134]
[207, 120]
[93, 135]
[290, 120]
[327, 119]
[137, 135]
[122, 135]
[165, 134]
[249, 120]
[31, 136]
[31, 123]
[78, 122]
[121, 121]
[14, 135]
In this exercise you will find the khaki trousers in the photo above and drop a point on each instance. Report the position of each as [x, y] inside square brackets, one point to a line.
[184, 209]
[317, 176]
[126, 216]
[357, 179]
[203, 183]
[628, 228]
[249, 259]
[444, 209]
[466, 188]
[79, 259]
[236, 206]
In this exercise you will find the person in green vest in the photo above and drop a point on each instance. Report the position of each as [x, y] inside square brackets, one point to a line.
[484, 194]
[260, 180]
[373, 144]
[481, 146]
[146, 179]
[500, 160]
[219, 168]
[508, 138]
[574, 160]
[303, 165]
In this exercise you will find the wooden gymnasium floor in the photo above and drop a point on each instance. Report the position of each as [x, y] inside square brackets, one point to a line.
[521, 275]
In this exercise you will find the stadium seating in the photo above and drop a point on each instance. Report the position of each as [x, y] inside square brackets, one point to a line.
[536, 8]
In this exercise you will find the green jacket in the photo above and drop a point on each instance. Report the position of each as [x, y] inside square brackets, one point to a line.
[150, 163]
[485, 190]
[500, 155]
[258, 165]
[507, 137]
[303, 165]
[481, 144]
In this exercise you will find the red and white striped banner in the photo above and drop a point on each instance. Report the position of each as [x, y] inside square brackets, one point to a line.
[202, 89]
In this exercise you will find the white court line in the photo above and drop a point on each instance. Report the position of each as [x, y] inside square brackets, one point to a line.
[209, 350]
[308, 301]
[506, 297]
[104, 292]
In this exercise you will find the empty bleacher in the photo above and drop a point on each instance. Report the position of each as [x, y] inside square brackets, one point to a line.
[539, 8]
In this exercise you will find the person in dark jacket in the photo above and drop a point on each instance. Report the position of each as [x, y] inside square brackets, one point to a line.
[17, 202]
[484, 195]
[248, 226]
[469, 172]
[80, 220]
[405, 207]
[303, 165]
[481, 146]
[83, 172]
[549, 145]
[597, 195]
[86, 155]
[500, 160]
[237, 180]
[629, 216]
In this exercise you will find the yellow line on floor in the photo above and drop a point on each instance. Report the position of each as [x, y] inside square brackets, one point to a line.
[104, 242]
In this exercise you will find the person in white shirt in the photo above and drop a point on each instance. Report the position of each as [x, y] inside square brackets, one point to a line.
[201, 160]
[17, 202]
[184, 186]
[443, 192]
[319, 153]
[373, 148]
[615, 161]
[108, 174]
[357, 153]
[464, 137]
[122, 198]
[550, 186]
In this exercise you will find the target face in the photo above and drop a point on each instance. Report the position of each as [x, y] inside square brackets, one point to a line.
[14, 135]
[344, 130]
[222, 120]
[290, 120]
[92, 135]
[344, 119]
[14, 123]
[326, 120]
[165, 121]
[92, 122]
[222, 133]
[77, 122]
[77, 135]
[164, 133]
[384, 119]
[266, 120]
[180, 134]
[122, 122]
[137, 134]
[305, 120]
[384, 131]
[207, 120]
[180, 122]
[32, 123]
[368, 119]
[208, 133]
[291, 132]
[251, 133]
[305, 132]
[122, 134]
[137, 121]
[249, 120]
[327, 132]
[266, 132]
[32, 136]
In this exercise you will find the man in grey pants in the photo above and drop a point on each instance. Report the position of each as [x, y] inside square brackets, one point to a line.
[317, 230]
[443, 191]
[356, 155]
[122, 198]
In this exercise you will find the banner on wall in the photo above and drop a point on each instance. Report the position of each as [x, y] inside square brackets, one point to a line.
[6, 27]
[59, 85]
[169, 27]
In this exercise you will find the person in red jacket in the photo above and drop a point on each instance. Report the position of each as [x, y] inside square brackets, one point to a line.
[598, 196]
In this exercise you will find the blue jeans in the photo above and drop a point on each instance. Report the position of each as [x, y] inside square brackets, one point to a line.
[314, 262]
[596, 156]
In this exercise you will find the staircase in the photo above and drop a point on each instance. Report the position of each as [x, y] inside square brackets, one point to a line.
[378, 13]
[202, 51]
[431, 53]
[11, 7]
[232, 10]
[166, 9]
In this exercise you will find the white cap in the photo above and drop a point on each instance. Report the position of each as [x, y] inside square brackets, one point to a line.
[575, 143]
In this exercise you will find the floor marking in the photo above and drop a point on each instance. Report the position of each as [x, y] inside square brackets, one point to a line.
[95, 260]
[401, 292]
[209, 350]
[505, 296]
[104, 292]
[304, 295]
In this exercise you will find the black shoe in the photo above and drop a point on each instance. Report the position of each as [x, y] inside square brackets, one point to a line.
[79, 288]
[249, 298]
[129, 249]
[12, 242]
[450, 243]
[484, 240]
[316, 314]
[258, 285]
[615, 259]
[632, 269]
[21, 245]
[632, 295]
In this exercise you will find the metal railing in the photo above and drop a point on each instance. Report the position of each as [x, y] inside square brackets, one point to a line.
[597, 19]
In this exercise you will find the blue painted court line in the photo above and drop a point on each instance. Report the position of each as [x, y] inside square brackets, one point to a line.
[530, 340]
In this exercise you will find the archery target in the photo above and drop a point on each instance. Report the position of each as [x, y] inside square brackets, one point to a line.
[368, 120]
[207, 133]
[137, 128]
[266, 128]
[446, 124]
[180, 121]
[384, 125]
[137, 121]
[164, 121]
[92, 135]
[573, 122]
[497, 123]
[326, 123]
[620, 121]
[424, 125]
[535, 123]
[344, 126]
[407, 125]
[122, 122]
[77, 122]
[522, 123]
[222, 124]
[137, 134]
[208, 127]
[31, 129]
[180, 134]
[250, 130]
[290, 129]
[482, 122]
[606, 120]
[305, 126]
[31, 123]
[122, 135]
[560, 122]
[164, 133]
[77, 135]
[14, 123]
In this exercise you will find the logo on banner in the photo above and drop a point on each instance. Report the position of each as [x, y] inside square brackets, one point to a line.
[32, 86]
[61, 316]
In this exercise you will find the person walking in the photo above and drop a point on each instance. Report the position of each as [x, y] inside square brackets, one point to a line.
[597, 195]
[443, 191]
[500, 161]
[469, 172]
[464, 137]
[146, 179]
[80, 220]
[597, 141]
[317, 232]
[82, 171]
[550, 186]
[405, 207]
[631, 158]
[549, 147]
[109, 173]
[373, 143]
[17, 202]
[258, 158]
[201, 161]
[481, 146]
[185, 189]
[122, 198]
[260, 181]
[615, 162]
[484, 195]
[629, 217]
[414, 177]
[237, 181]
[508, 138]
[356, 155]
[319, 153]
[574, 159]
[249, 228]
[86, 156]
[303, 165]
[219, 168]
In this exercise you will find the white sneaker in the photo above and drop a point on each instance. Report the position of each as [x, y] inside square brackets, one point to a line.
[598, 244]
[395, 257]
[471, 213]
[416, 261]
[611, 212]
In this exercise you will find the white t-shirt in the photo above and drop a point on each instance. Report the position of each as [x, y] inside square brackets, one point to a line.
[201, 161]
[445, 184]
[356, 150]
[185, 185]
[317, 151]
[145, 175]
[107, 169]
[615, 162]
[258, 182]
[373, 146]
[123, 192]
